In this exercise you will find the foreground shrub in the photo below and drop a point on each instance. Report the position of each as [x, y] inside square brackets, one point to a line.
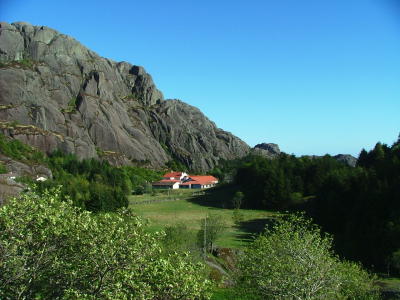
[50, 249]
[292, 260]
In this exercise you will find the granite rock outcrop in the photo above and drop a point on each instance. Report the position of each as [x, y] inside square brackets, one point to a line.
[57, 94]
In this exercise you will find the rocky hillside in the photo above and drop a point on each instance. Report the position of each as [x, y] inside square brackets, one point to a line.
[57, 94]
[346, 159]
[268, 150]
[8, 186]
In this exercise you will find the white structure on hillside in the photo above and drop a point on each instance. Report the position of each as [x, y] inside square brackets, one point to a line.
[176, 180]
[181, 176]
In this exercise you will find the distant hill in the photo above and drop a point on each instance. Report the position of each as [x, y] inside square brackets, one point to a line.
[271, 150]
[346, 159]
[268, 150]
[57, 94]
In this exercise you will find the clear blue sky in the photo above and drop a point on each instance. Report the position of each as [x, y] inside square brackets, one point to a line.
[314, 77]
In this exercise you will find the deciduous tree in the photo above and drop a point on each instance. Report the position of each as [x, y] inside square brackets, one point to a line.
[292, 260]
[50, 249]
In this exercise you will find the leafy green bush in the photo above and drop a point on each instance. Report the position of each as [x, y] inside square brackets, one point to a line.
[211, 229]
[179, 238]
[394, 261]
[26, 63]
[175, 165]
[237, 200]
[3, 168]
[293, 260]
[50, 249]
[71, 107]
[17, 150]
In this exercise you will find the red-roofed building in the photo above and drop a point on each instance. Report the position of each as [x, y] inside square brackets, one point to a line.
[199, 182]
[166, 184]
[175, 180]
[175, 176]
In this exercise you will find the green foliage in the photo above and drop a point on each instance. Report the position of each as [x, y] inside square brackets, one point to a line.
[71, 107]
[3, 168]
[190, 209]
[281, 183]
[233, 293]
[292, 260]
[360, 207]
[96, 185]
[141, 178]
[211, 229]
[237, 217]
[175, 165]
[92, 184]
[394, 261]
[179, 238]
[237, 200]
[17, 150]
[27, 63]
[218, 173]
[50, 249]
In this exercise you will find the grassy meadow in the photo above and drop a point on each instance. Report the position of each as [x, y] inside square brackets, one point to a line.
[192, 206]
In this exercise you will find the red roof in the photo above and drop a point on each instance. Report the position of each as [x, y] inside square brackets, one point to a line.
[202, 180]
[166, 182]
[173, 174]
[196, 179]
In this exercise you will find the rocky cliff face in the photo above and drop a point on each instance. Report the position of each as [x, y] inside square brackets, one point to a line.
[347, 159]
[57, 94]
[268, 150]
[8, 186]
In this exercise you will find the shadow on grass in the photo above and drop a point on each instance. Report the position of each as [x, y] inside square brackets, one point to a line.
[218, 197]
[252, 228]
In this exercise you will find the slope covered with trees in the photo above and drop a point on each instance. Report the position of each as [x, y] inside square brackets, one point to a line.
[359, 205]
[91, 184]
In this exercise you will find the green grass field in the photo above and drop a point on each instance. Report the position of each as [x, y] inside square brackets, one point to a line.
[190, 208]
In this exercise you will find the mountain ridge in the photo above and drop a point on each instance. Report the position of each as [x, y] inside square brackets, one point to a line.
[58, 94]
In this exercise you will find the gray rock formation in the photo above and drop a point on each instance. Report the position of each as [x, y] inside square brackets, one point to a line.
[57, 94]
[8, 186]
[268, 150]
[346, 159]
[18, 168]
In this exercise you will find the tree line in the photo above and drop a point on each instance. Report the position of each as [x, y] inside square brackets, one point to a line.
[52, 247]
[359, 205]
[92, 184]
